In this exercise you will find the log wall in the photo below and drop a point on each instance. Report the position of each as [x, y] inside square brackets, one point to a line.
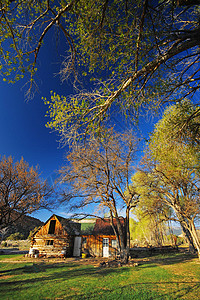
[55, 243]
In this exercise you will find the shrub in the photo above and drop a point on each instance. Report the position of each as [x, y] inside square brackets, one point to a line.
[4, 244]
[16, 236]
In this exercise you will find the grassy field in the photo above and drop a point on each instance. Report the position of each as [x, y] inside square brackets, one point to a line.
[161, 277]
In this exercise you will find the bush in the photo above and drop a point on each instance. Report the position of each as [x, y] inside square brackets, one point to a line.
[4, 244]
[16, 236]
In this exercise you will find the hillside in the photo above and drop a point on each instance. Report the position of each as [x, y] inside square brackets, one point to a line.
[24, 225]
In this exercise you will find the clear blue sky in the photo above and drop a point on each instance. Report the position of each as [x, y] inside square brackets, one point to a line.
[23, 132]
[22, 123]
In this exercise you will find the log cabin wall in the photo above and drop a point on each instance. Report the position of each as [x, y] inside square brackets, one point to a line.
[58, 234]
[52, 239]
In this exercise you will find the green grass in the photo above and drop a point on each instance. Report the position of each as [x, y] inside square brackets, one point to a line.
[164, 277]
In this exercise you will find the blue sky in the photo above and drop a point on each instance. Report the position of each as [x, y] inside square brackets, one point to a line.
[23, 131]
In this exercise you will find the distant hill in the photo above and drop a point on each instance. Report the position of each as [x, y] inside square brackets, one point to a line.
[24, 225]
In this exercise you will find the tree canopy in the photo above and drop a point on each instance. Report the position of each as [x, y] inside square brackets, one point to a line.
[21, 191]
[172, 177]
[137, 54]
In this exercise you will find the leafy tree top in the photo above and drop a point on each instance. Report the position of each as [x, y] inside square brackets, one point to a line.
[175, 139]
[138, 53]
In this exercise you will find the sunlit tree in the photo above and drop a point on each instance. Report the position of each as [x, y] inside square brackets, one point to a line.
[21, 191]
[173, 173]
[151, 212]
[136, 54]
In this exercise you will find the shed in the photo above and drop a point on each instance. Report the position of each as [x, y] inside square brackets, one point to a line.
[55, 237]
[102, 242]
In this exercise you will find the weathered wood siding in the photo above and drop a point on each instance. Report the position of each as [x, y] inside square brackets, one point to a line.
[52, 244]
[94, 245]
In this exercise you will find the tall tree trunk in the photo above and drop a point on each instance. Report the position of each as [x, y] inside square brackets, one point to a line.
[189, 238]
[186, 232]
[123, 252]
[128, 227]
[115, 232]
[194, 235]
[128, 232]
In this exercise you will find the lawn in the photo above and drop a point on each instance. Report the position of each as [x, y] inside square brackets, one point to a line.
[161, 277]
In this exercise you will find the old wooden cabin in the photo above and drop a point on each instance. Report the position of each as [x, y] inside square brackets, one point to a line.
[64, 237]
[55, 237]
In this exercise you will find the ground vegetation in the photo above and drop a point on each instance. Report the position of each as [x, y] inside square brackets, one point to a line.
[164, 276]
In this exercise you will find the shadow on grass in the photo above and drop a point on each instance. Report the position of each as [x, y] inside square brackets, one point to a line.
[34, 268]
[172, 259]
[62, 272]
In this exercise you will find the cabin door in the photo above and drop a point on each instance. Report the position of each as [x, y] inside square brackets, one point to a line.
[77, 246]
[105, 247]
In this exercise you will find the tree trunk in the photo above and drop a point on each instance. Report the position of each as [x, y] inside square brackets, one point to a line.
[189, 238]
[186, 232]
[193, 232]
[124, 256]
[128, 231]
[123, 250]
[115, 232]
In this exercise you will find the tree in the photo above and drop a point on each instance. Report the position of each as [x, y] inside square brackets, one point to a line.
[32, 232]
[174, 173]
[151, 213]
[21, 191]
[137, 53]
[185, 123]
[148, 231]
[15, 236]
[99, 174]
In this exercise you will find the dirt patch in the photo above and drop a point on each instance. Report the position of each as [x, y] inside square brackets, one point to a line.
[6, 276]
[165, 261]
[87, 261]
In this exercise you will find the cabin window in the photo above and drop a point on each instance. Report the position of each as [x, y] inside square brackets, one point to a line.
[114, 243]
[49, 242]
[52, 226]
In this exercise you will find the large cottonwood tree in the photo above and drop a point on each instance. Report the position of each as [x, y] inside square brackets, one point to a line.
[138, 53]
[173, 173]
[151, 211]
